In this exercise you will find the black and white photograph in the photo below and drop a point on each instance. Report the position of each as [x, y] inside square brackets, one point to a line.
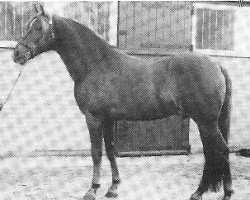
[124, 100]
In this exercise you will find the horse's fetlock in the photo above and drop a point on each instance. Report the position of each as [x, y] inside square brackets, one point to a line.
[111, 194]
[116, 181]
[95, 186]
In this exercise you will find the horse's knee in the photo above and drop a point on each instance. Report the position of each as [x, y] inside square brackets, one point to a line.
[96, 154]
[111, 157]
[110, 151]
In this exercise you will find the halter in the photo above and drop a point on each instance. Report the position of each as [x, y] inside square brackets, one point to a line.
[52, 34]
[31, 49]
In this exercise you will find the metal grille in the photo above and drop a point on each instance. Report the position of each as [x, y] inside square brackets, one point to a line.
[215, 29]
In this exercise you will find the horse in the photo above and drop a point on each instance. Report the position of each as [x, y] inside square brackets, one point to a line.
[110, 85]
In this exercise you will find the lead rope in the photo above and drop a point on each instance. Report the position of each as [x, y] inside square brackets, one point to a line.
[11, 91]
[28, 55]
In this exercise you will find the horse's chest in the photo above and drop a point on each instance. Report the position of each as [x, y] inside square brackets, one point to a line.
[97, 94]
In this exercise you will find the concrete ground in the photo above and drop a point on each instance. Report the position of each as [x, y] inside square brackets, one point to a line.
[152, 178]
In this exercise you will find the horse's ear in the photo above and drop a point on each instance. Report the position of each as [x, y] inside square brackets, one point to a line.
[42, 10]
[35, 8]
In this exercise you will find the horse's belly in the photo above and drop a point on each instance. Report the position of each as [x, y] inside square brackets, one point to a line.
[145, 109]
[135, 113]
[141, 102]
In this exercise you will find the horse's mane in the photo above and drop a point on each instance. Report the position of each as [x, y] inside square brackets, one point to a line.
[82, 31]
[81, 43]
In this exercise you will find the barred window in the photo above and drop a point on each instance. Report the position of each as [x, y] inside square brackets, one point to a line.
[221, 29]
[215, 29]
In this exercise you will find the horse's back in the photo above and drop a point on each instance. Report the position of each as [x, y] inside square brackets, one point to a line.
[135, 88]
[186, 83]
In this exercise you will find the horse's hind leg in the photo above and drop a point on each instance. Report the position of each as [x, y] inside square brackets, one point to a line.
[216, 159]
[224, 124]
[111, 154]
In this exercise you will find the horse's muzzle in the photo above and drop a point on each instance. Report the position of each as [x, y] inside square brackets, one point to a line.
[21, 55]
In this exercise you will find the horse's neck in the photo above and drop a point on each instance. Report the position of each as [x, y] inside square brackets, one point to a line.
[79, 48]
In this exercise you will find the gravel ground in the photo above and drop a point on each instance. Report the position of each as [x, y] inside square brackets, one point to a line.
[68, 178]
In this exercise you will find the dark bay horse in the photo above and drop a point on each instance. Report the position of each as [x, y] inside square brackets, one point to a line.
[111, 85]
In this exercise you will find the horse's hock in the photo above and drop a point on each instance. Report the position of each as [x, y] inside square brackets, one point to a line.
[42, 113]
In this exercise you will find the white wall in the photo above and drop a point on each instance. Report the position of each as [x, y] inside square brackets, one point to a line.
[42, 113]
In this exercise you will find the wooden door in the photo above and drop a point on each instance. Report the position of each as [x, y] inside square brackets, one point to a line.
[158, 137]
[163, 25]
[150, 30]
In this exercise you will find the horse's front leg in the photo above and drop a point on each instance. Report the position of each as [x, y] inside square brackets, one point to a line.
[111, 154]
[96, 127]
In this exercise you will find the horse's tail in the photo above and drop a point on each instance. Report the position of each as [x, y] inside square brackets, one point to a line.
[217, 167]
[225, 115]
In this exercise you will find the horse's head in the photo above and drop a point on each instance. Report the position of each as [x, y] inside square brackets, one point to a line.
[38, 38]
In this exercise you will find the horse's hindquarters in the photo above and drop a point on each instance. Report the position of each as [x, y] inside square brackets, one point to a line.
[200, 86]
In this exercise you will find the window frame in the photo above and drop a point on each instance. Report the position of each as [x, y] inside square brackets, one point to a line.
[216, 52]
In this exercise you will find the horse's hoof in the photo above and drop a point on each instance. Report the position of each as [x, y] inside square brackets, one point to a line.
[111, 194]
[196, 197]
[89, 197]
[192, 198]
[227, 195]
[199, 198]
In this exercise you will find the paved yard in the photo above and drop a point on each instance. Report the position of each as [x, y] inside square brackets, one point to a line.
[156, 178]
